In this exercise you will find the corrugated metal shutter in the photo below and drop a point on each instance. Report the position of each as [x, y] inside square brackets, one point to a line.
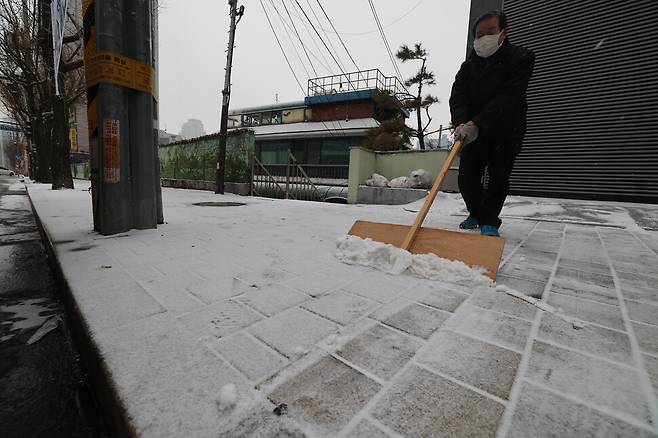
[593, 99]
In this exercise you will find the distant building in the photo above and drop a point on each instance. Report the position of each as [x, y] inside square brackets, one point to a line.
[193, 128]
[12, 146]
[165, 138]
[78, 125]
[320, 130]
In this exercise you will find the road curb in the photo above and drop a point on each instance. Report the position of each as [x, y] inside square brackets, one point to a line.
[110, 403]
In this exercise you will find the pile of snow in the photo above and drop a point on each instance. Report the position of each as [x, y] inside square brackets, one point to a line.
[421, 178]
[401, 182]
[417, 179]
[377, 180]
[395, 261]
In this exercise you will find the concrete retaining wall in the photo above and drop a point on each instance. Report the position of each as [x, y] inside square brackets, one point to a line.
[388, 196]
[364, 162]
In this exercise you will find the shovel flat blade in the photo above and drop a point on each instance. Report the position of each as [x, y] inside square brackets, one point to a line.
[472, 249]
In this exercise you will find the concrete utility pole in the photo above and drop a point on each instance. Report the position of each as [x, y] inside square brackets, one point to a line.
[122, 109]
[226, 97]
[110, 155]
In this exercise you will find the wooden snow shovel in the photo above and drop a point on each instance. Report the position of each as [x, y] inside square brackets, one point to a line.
[472, 249]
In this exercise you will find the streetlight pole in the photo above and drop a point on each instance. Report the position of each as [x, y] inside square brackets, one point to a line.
[226, 97]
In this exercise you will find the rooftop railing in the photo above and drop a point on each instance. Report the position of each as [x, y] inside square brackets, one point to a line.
[356, 81]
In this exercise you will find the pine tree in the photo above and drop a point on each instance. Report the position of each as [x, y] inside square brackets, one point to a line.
[424, 78]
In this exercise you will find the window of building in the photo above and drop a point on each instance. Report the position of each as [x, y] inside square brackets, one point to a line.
[273, 152]
[336, 150]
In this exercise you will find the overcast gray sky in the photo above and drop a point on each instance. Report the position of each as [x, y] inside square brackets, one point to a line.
[193, 39]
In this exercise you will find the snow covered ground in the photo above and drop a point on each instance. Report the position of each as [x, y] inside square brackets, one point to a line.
[240, 321]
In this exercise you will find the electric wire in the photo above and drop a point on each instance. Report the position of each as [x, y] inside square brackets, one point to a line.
[397, 20]
[331, 44]
[289, 27]
[337, 34]
[312, 37]
[292, 70]
[299, 37]
[291, 41]
[325, 44]
[387, 46]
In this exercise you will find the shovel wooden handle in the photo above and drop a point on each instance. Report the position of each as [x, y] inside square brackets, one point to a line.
[411, 235]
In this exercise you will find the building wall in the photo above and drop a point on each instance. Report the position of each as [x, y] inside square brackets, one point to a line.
[592, 100]
[77, 111]
[296, 115]
[12, 144]
[359, 109]
[78, 121]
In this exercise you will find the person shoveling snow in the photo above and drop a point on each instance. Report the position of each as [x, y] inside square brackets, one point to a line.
[488, 107]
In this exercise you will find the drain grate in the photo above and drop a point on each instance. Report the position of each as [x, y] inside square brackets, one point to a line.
[219, 204]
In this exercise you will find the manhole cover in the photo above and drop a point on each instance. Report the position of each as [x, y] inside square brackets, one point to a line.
[219, 204]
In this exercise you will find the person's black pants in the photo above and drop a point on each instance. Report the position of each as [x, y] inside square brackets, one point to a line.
[486, 204]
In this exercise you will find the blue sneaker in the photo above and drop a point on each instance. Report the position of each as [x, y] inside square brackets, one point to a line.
[489, 230]
[470, 223]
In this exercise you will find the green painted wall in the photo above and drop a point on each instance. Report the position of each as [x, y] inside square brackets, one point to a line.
[402, 163]
[195, 159]
[362, 166]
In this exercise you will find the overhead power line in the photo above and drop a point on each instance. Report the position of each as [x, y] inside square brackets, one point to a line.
[325, 44]
[388, 47]
[337, 34]
[386, 26]
[291, 40]
[299, 37]
[312, 37]
[289, 27]
[292, 70]
[310, 6]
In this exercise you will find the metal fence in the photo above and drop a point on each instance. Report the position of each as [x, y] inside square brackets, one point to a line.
[291, 181]
[319, 171]
[356, 81]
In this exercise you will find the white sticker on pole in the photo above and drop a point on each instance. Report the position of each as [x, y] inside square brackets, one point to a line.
[58, 15]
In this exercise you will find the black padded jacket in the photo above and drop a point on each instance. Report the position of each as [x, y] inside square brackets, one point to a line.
[492, 92]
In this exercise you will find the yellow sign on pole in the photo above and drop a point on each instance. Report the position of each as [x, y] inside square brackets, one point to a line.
[112, 68]
[73, 139]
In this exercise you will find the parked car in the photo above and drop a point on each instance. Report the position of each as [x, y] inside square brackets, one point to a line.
[5, 171]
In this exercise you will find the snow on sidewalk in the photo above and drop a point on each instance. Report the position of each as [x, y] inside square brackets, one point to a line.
[240, 321]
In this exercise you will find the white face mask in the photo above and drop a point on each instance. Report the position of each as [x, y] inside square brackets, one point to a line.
[486, 45]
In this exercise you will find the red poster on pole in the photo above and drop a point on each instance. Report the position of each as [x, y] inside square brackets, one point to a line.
[111, 151]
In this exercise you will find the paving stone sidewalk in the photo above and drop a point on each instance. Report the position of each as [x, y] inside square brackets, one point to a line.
[253, 296]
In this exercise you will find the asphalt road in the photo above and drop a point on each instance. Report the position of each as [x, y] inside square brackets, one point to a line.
[43, 390]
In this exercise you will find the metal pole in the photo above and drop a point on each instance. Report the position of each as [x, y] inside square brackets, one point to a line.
[288, 175]
[226, 97]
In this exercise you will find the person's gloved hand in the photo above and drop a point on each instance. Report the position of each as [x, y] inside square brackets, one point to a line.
[468, 132]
